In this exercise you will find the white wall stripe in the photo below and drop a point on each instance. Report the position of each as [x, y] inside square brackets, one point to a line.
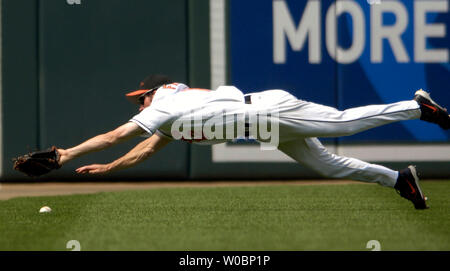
[222, 153]
[217, 42]
[397, 153]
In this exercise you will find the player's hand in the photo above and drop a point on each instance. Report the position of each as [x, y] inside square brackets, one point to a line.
[93, 169]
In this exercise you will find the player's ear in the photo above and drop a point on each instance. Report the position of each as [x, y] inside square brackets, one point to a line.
[152, 95]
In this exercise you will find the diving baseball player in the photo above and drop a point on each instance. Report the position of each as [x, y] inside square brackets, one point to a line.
[168, 109]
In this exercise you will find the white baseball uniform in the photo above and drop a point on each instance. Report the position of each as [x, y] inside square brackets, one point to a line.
[299, 124]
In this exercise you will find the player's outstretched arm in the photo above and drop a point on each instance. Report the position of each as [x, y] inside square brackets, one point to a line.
[142, 151]
[100, 142]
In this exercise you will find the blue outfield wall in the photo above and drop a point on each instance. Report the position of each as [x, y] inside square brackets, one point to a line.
[342, 54]
[379, 53]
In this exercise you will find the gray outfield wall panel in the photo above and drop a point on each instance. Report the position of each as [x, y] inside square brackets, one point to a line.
[19, 81]
[91, 55]
[87, 56]
[199, 55]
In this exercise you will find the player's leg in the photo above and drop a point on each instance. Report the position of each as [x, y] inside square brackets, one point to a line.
[308, 119]
[311, 153]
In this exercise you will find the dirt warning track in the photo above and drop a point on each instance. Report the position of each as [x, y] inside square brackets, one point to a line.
[13, 190]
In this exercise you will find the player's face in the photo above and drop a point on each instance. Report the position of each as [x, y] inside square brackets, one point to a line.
[146, 100]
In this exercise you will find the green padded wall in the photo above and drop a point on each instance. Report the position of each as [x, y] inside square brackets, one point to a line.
[19, 81]
[69, 66]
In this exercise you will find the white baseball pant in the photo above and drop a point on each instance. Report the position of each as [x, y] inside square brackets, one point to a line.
[302, 122]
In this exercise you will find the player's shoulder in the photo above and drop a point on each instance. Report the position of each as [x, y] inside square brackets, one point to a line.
[173, 87]
[168, 90]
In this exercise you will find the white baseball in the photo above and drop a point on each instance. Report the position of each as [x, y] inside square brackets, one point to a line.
[45, 209]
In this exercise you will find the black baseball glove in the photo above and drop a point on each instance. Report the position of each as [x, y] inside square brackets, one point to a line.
[38, 163]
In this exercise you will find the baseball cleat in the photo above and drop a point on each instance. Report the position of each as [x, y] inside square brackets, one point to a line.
[408, 187]
[431, 111]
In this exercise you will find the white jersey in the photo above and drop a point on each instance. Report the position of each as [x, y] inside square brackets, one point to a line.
[177, 103]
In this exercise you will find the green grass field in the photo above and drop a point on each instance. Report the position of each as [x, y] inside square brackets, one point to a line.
[280, 217]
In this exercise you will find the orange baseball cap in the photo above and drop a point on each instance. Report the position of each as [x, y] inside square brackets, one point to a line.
[150, 83]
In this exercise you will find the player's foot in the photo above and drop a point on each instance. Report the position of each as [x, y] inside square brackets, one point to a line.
[408, 187]
[431, 111]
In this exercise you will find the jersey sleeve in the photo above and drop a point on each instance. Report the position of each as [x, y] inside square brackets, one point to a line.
[163, 134]
[161, 111]
[151, 118]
